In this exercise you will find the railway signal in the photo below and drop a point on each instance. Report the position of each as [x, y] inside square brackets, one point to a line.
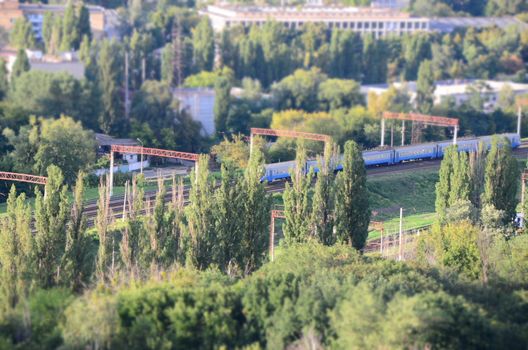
[422, 118]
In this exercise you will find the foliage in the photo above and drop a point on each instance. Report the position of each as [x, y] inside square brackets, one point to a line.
[500, 187]
[51, 217]
[297, 203]
[352, 205]
[21, 36]
[61, 142]
[21, 64]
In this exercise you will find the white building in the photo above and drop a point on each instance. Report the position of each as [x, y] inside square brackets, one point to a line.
[378, 21]
[199, 103]
[459, 91]
[392, 4]
[383, 18]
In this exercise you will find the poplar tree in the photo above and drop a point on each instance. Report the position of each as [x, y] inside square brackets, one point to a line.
[443, 186]
[4, 83]
[70, 34]
[228, 218]
[200, 230]
[16, 250]
[477, 165]
[203, 45]
[352, 202]
[460, 184]
[83, 23]
[172, 249]
[51, 217]
[159, 226]
[22, 36]
[221, 104]
[21, 64]
[110, 79]
[254, 214]
[101, 225]
[76, 266]
[167, 64]
[425, 87]
[297, 207]
[129, 245]
[500, 186]
[323, 206]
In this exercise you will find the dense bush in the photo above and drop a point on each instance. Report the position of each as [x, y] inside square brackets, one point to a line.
[327, 295]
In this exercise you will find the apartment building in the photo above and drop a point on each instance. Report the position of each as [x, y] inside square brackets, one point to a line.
[11, 10]
[377, 21]
[383, 19]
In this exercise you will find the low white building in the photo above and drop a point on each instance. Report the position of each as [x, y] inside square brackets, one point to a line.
[459, 91]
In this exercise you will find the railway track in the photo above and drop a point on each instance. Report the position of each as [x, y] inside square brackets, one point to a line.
[116, 202]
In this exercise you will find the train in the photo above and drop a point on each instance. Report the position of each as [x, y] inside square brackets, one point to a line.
[425, 151]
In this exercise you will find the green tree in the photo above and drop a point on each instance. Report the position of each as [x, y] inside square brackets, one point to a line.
[425, 87]
[83, 23]
[203, 45]
[222, 102]
[460, 181]
[110, 79]
[64, 142]
[22, 36]
[352, 204]
[48, 21]
[337, 93]
[200, 231]
[167, 64]
[296, 197]
[4, 83]
[228, 218]
[21, 64]
[477, 165]
[16, 250]
[500, 187]
[255, 207]
[76, 262]
[70, 31]
[51, 217]
[101, 225]
[323, 204]
[443, 186]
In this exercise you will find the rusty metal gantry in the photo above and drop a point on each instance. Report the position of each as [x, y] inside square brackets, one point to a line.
[422, 118]
[287, 133]
[149, 152]
[7, 176]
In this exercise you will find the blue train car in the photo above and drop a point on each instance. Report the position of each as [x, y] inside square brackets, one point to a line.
[385, 157]
[278, 171]
[415, 152]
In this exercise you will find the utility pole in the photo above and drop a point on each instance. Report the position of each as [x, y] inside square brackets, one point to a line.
[143, 70]
[400, 255]
[111, 176]
[382, 132]
[392, 134]
[403, 133]
[127, 96]
[142, 146]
